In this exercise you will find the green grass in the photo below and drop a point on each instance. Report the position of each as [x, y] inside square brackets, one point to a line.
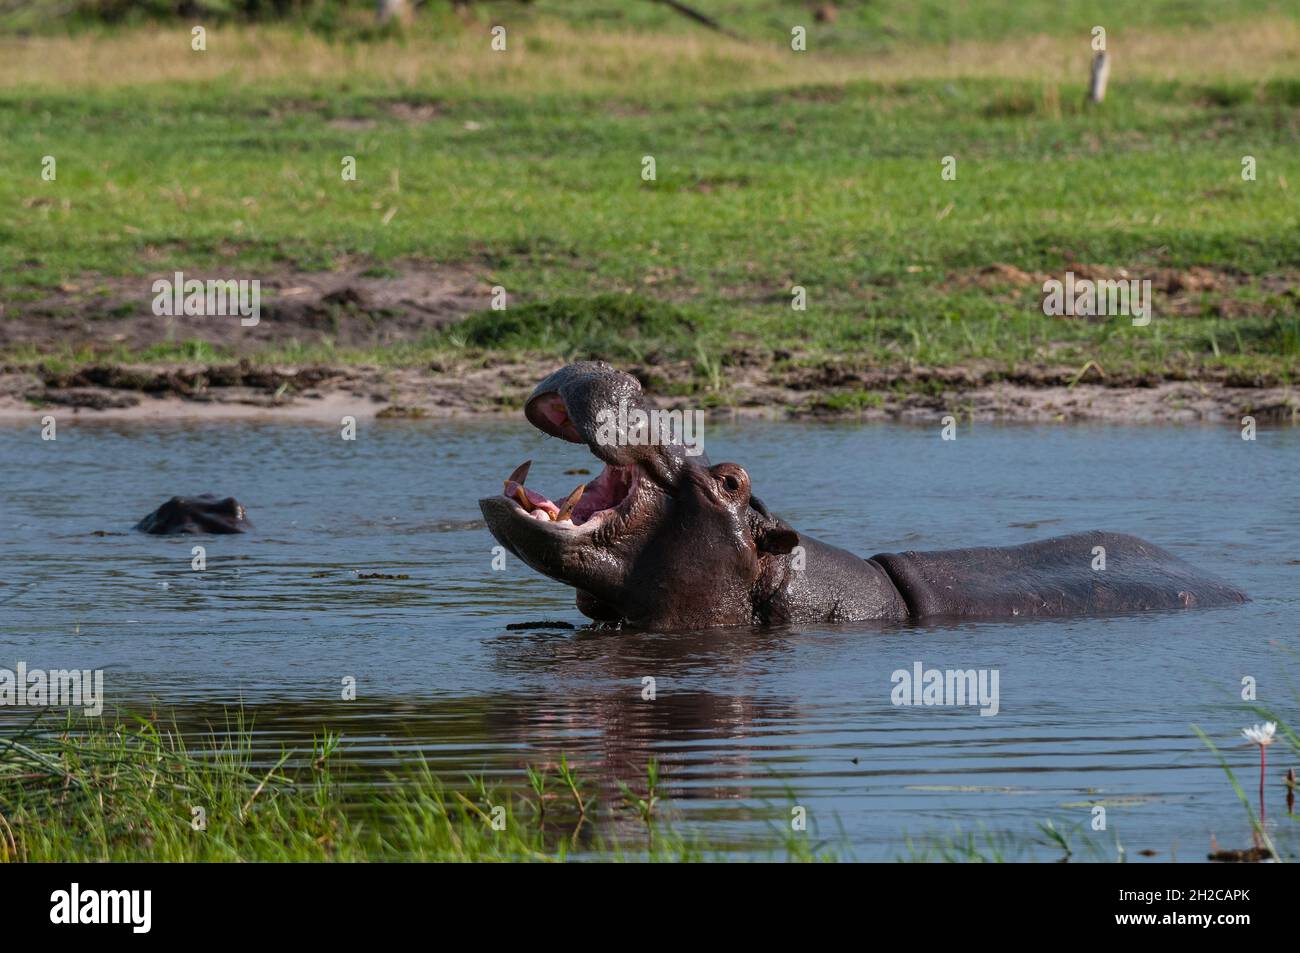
[832, 184]
[618, 326]
[878, 25]
[137, 791]
[1286, 746]
[128, 790]
[1053, 843]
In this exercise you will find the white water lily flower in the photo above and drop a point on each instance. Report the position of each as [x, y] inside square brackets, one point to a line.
[1261, 734]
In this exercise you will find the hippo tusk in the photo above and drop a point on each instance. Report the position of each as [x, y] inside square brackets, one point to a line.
[521, 471]
[570, 501]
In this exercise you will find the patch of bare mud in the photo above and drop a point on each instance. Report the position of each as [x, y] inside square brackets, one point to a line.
[1185, 292]
[412, 111]
[1168, 402]
[751, 385]
[400, 110]
[243, 389]
[1037, 393]
[355, 306]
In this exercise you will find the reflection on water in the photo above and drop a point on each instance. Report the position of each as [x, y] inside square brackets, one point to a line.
[741, 719]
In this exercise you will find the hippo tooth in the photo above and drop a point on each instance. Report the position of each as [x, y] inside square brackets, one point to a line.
[522, 497]
[570, 501]
[521, 471]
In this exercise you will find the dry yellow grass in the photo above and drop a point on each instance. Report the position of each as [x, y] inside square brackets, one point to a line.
[547, 58]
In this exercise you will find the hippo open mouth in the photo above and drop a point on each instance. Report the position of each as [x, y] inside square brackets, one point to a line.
[658, 529]
[593, 537]
[587, 507]
[590, 505]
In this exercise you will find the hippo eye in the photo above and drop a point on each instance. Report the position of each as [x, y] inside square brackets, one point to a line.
[732, 480]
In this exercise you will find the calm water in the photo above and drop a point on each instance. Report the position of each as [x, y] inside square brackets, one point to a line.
[1090, 708]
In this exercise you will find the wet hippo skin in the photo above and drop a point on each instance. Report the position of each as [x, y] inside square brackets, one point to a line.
[1053, 577]
[196, 514]
[663, 539]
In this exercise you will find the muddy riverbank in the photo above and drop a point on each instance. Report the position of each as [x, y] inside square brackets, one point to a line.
[462, 387]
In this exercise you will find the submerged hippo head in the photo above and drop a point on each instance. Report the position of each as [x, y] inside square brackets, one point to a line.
[660, 537]
[196, 514]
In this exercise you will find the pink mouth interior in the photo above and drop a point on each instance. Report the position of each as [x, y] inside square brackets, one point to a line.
[604, 493]
[538, 501]
[549, 414]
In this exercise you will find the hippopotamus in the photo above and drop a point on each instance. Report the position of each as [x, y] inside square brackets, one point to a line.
[663, 539]
[196, 514]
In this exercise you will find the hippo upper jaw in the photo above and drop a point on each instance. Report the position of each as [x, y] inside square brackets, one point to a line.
[590, 402]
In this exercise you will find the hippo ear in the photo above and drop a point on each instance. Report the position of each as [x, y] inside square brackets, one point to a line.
[771, 533]
[778, 540]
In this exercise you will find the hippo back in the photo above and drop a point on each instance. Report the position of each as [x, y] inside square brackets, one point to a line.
[1054, 577]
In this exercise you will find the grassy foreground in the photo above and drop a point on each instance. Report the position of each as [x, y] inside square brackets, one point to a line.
[820, 169]
[135, 792]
